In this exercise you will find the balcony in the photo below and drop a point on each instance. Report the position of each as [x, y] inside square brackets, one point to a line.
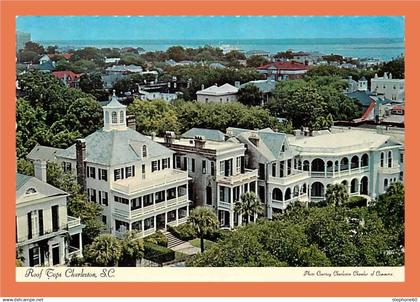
[125, 211]
[73, 222]
[278, 204]
[135, 185]
[249, 175]
[289, 179]
[344, 172]
[393, 170]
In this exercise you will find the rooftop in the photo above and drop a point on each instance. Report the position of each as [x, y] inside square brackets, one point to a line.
[265, 86]
[284, 66]
[219, 90]
[40, 189]
[42, 153]
[209, 134]
[209, 144]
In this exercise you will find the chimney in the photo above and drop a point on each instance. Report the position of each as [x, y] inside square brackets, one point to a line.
[202, 86]
[80, 163]
[390, 76]
[40, 167]
[254, 139]
[131, 121]
[153, 135]
[199, 141]
[169, 137]
[237, 84]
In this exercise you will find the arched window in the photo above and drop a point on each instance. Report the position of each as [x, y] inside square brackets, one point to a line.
[354, 186]
[114, 117]
[355, 162]
[306, 165]
[389, 159]
[330, 166]
[107, 117]
[385, 182]
[344, 164]
[144, 151]
[121, 117]
[365, 160]
[318, 165]
[287, 194]
[382, 159]
[296, 191]
[277, 194]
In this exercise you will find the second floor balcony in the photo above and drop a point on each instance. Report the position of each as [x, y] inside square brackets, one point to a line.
[248, 176]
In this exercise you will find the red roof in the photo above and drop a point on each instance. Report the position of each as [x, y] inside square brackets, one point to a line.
[67, 74]
[284, 66]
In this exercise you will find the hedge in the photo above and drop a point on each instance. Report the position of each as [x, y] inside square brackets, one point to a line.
[184, 231]
[157, 238]
[157, 253]
[356, 201]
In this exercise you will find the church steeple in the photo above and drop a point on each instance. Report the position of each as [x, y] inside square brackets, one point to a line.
[114, 115]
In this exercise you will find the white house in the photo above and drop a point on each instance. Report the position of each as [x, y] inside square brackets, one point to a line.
[365, 162]
[280, 181]
[112, 60]
[157, 95]
[45, 234]
[217, 169]
[131, 176]
[218, 94]
[44, 59]
[392, 89]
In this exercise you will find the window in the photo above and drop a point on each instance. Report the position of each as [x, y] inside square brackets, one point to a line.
[389, 159]
[382, 159]
[92, 172]
[222, 193]
[30, 225]
[121, 226]
[34, 258]
[159, 196]
[171, 193]
[209, 199]
[402, 157]
[178, 161]
[92, 195]
[121, 117]
[121, 200]
[41, 222]
[154, 165]
[117, 174]
[289, 167]
[212, 170]
[30, 191]
[149, 223]
[66, 166]
[238, 164]
[55, 218]
[103, 198]
[143, 171]
[104, 219]
[165, 163]
[203, 167]
[273, 169]
[147, 200]
[222, 167]
[144, 149]
[129, 171]
[103, 174]
[135, 203]
[261, 171]
[114, 117]
[385, 182]
[192, 165]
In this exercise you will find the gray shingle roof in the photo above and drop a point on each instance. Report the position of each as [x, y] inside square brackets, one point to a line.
[265, 86]
[21, 179]
[116, 147]
[210, 134]
[270, 142]
[43, 153]
[363, 97]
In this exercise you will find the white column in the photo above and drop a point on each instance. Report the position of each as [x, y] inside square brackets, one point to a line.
[232, 218]
[80, 245]
[154, 219]
[176, 216]
[166, 219]
[142, 228]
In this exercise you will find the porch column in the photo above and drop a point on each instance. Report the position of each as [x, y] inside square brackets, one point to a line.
[142, 227]
[232, 219]
[176, 216]
[349, 161]
[166, 219]
[325, 168]
[80, 245]
[62, 249]
[154, 224]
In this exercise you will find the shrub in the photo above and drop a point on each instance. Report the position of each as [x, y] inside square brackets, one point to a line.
[218, 235]
[184, 232]
[355, 202]
[157, 238]
[157, 253]
[77, 261]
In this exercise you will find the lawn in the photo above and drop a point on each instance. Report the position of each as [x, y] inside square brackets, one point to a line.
[196, 242]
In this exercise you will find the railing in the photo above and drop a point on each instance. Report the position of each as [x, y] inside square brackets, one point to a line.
[292, 178]
[248, 175]
[72, 221]
[285, 203]
[154, 207]
[317, 198]
[137, 185]
[345, 171]
[392, 170]
[225, 205]
[182, 220]
[73, 251]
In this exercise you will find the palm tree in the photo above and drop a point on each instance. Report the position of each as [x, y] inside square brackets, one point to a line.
[336, 194]
[204, 221]
[250, 205]
[105, 250]
[132, 248]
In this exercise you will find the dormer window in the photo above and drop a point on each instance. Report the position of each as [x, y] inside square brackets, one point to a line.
[30, 191]
[114, 117]
[144, 151]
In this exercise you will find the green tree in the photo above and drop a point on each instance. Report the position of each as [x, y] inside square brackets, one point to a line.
[25, 167]
[124, 85]
[176, 53]
[204, 221]
[256, 61]
[52, 49]
[395, 67]
[105, 250]
[27, 56]
[336, 194]
[250, 205]
[154, 116]
[250, 95]
[91, 82]
[35, 47]
[132, 248]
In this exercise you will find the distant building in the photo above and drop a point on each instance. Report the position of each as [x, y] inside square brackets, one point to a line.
[69, 78]
[112, 60]
[266, 87]
[392, 89]
[217, 66]
[283, 70]
[218, 94]
[45, 234]
[21, 39]
[124, 69]
[260, 53]
[44, 59]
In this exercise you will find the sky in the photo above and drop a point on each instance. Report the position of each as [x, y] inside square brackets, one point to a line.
[44, 28]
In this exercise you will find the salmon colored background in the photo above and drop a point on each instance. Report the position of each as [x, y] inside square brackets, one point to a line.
[10, 9]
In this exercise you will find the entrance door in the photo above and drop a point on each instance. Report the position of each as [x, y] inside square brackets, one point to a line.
[56, 255]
